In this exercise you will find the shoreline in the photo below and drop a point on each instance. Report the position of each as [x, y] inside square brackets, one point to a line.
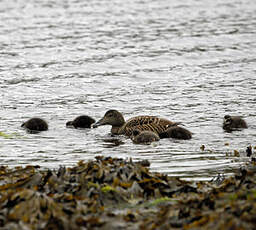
[112, 193]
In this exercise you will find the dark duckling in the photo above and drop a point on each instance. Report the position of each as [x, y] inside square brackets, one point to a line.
[176, 132]
[231, 123]
[83, 121]
[120, 126]
[144, 137]
[35, 124]
[249, 151]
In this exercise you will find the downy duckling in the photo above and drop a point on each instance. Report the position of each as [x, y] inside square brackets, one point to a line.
[144, 137]
[231, 123]
[176, 132]
[35, 124]
[82, 121]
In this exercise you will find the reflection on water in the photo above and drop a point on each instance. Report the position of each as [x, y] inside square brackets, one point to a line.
[187, 61]
[110, 143]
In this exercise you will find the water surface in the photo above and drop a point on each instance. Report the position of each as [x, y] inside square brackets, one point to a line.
[191, 61]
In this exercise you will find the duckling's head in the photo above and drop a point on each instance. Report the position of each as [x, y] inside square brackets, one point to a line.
[111, 117]
[136, 132]
[69, 124]
[227, 117]
[227, 123]
[227, 120]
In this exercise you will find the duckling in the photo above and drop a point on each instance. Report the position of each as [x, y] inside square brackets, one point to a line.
[35, 124]
[176, 132]
[144, 137]
[231, 123]
[119, 126]
[82, 121]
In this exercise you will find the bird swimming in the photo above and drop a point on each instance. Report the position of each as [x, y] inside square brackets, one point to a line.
[144, 137]
[35, 124]
[82, 121]
[176, 132]
[231, 123]
[120, 126]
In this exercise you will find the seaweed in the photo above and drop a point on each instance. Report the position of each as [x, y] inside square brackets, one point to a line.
[113, 193]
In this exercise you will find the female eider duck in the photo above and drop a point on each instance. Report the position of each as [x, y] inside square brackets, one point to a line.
[176, 132]
[144, 137]
[119, 126]
[35, 125]
[82, 121]
[231, 123]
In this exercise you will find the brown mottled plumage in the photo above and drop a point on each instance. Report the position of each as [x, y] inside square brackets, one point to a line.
[119, 126]
[144, 137]
[233, 122]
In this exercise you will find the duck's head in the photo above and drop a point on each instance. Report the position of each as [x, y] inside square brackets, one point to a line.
[111, 117]
[136, 132]
[69, 123]
[227, 117]
[227, 120]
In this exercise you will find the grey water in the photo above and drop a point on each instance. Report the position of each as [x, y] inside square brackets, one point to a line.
[191, 61]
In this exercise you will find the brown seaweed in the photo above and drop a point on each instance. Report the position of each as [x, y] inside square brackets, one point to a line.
[112, 193]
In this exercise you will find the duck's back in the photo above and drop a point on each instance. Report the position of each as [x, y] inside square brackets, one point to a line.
[152, 123]
[234, 122]
[238, 122]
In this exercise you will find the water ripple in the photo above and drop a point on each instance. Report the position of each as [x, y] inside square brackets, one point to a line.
[190, 61]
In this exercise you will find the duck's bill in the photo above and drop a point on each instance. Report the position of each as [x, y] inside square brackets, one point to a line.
[98, 123]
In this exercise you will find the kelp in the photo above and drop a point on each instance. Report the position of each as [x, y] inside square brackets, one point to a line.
[4, 135]
[10, 136]
[113, 193]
